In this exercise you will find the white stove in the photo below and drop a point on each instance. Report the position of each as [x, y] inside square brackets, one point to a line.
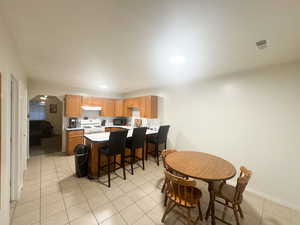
[92, 126]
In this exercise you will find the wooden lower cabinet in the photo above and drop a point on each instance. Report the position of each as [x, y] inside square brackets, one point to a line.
[74, 138]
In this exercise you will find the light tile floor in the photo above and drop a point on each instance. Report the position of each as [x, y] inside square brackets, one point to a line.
[52, 195]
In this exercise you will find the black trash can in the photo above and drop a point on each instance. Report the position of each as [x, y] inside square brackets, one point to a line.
[81, 153]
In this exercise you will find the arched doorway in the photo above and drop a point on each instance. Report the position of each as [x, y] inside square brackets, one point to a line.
[46, 122]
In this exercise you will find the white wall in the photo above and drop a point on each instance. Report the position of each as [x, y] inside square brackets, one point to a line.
[9, 64]
[250, 118]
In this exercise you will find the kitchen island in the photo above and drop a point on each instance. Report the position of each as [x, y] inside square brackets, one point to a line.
[98, 140]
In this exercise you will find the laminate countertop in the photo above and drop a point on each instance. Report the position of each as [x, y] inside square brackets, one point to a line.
[104, 136]
[74, 128]
[113, 126]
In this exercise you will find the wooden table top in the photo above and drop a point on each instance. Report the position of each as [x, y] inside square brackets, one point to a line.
[201, 165]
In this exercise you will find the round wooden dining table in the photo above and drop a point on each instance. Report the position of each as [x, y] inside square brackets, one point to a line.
[202, 166]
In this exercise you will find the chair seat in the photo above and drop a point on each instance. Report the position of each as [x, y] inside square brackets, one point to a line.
[227, 191]
[188, 200]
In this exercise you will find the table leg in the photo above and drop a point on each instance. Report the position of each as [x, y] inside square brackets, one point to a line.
[211, 206]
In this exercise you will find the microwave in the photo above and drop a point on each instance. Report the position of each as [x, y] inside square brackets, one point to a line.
[119, 122]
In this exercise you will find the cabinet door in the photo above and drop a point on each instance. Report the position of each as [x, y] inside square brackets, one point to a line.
[109, 107]
[119, 106]
[72, 143]
[142, 108]
[98, 101]
[127, 108]
[150, 107]
[87, 101]
[136, 103]
[73, 105]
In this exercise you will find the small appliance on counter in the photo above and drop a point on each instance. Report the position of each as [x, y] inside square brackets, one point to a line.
[103, 123]
[119, 122]
[73, 122]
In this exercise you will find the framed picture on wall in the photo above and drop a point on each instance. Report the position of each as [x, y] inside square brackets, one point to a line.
[53, 108]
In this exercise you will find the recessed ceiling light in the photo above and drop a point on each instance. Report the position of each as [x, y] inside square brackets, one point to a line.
[177, 59]
[103, 86]
[44, 98]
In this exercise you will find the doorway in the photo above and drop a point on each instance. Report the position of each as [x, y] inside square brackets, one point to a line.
[45, 125]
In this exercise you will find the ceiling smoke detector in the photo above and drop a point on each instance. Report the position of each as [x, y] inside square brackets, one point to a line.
[262, 44]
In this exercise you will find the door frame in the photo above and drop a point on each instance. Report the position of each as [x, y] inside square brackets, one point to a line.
[15, 137]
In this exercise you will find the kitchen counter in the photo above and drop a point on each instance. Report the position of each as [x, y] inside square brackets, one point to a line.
[104, 136]
[76, 128]
[113, 126]
[98, 140]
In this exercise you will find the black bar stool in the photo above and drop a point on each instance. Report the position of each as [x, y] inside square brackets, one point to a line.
[137, 141]
[158, 139]
[116, 145]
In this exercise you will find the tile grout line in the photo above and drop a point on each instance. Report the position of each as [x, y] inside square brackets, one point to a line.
[40, 190]
[61, 193]
[90, 208]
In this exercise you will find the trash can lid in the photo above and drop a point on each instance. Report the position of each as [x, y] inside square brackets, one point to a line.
[81, 149]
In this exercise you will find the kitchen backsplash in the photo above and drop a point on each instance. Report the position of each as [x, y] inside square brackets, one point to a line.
[152, 123]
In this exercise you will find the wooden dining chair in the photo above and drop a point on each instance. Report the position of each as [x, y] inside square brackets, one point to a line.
[232, 194]
[164, 155]
[183, 194]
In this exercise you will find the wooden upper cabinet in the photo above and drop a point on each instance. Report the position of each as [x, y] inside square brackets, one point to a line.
[87, 101]
[148, 107]
[91, 101]
[73, 105]
[119, 107]
[108, 107]
[98, 101]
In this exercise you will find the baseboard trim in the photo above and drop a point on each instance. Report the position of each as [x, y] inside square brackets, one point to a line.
[269, 197]
[276, 200]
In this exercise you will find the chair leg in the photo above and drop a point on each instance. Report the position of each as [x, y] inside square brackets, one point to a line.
[225, 209]
[200, 211]
[189, 217]
[240, 211]
[108, 170]
[168, 209]
[123, 165]
[99, 165]
[147, 146]
[166, 200]
[114, 163]
[163, 187]
[131, 161]
[143, 157]
[236, 215]
[157, 155]
[208, 211]
[166, 145]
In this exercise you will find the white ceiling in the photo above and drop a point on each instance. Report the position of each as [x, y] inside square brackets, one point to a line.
[127, 44]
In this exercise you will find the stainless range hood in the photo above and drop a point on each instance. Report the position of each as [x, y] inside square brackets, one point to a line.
[91, 108]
